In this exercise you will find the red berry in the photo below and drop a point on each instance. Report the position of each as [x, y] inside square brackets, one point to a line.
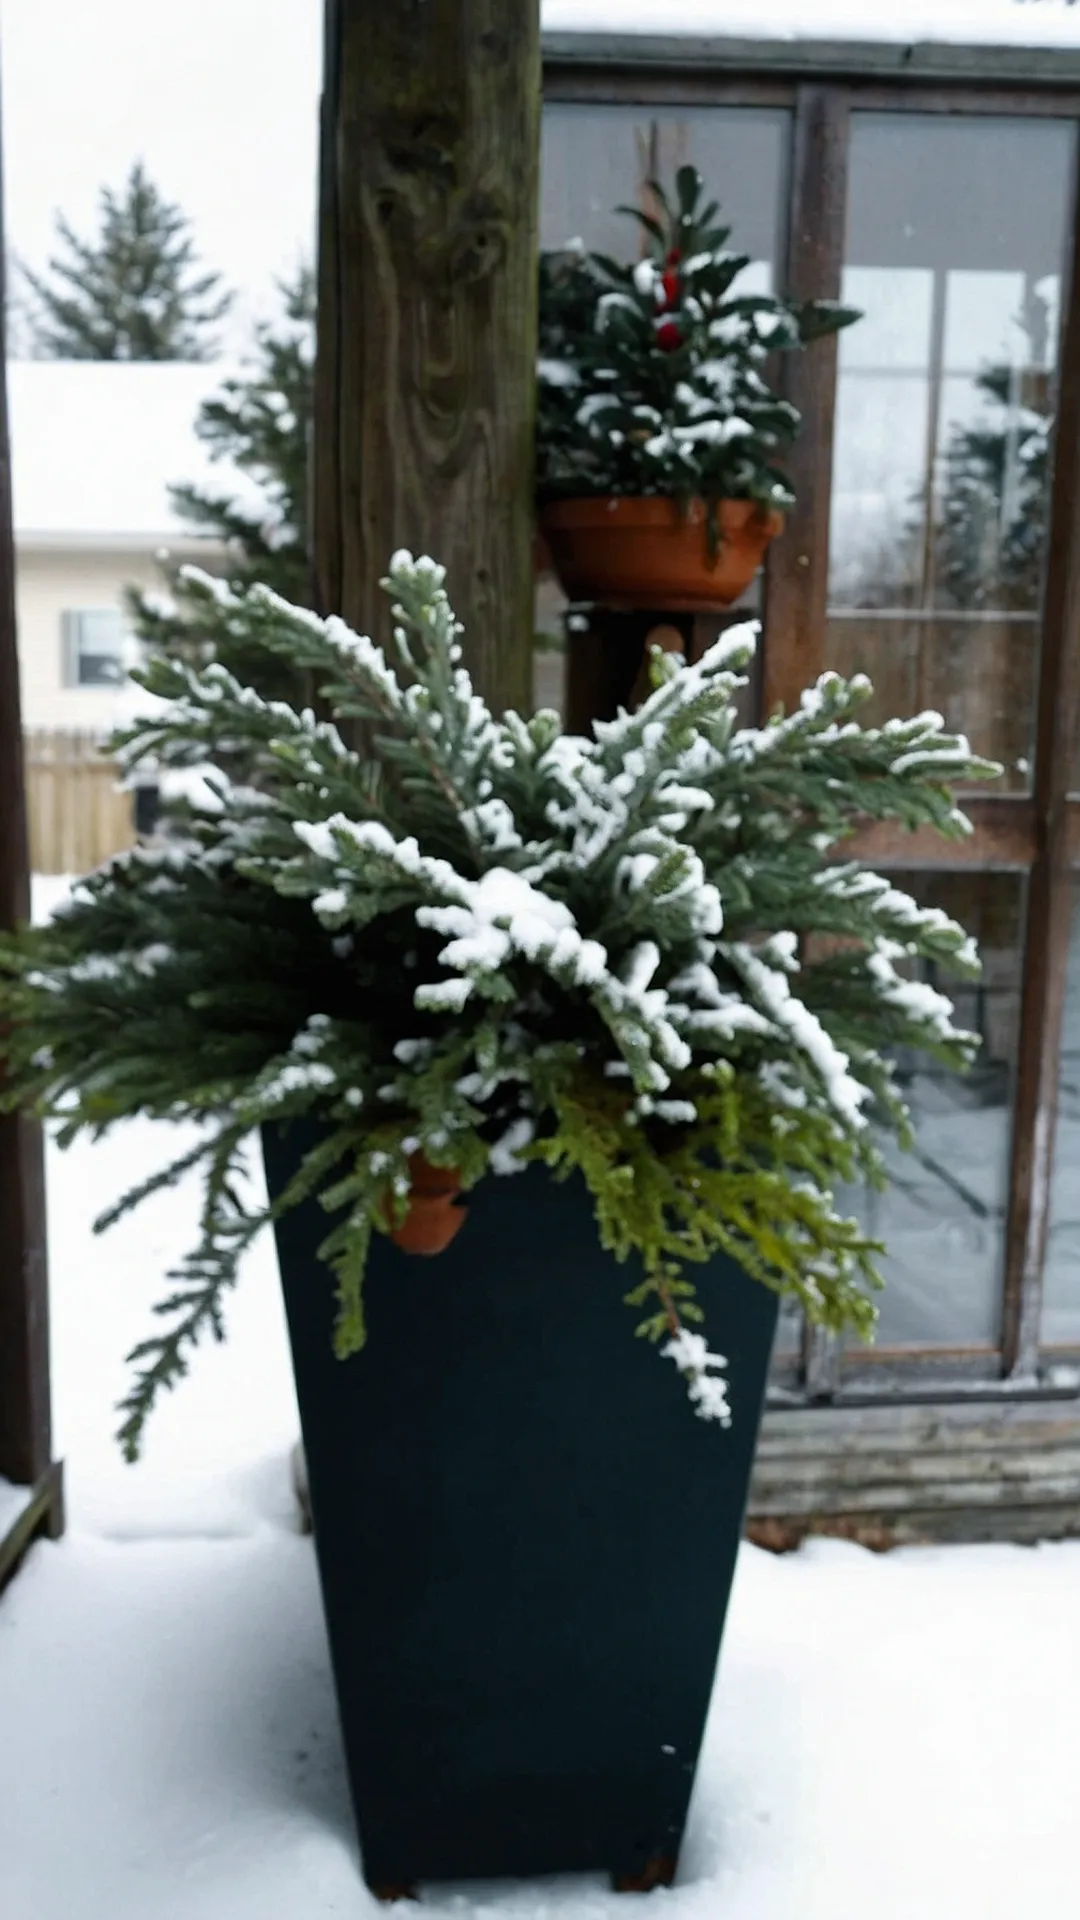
[673, 257]
[668, 336]
[670, 283]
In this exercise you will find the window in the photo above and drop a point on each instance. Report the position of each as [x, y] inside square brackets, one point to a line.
[97, 645]
[957, 247]
[597, 158]
[1061, 1299]
[942, 1217]
[949, 222]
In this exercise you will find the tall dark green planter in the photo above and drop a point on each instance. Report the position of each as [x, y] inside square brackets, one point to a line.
[526, 1539]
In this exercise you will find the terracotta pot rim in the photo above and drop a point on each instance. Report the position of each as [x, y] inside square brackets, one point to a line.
[434, 1183]
[653, 509]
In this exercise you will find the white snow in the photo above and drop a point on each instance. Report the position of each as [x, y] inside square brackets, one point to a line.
[774, 994]
[1031, 23]
[703, 1371]
[13, 1502]
[889, 1737]
[95, 446]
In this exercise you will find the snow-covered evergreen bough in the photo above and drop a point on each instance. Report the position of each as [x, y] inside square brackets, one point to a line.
[637, 956]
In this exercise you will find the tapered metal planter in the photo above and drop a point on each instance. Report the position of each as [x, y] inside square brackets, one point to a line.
[526, 1539]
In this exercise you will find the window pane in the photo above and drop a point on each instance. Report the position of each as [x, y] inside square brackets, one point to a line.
[596, 158]
[99, 642]
[1061, 1296]
[943, 1217]
[956, 251]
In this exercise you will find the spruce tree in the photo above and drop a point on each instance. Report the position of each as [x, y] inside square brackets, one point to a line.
[993, 522]
[261, 423]
[134, 291]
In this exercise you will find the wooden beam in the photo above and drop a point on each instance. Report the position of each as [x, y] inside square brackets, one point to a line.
[797, 575]
[425, 380]
[42, 1513]
[25, 1431]
[1003, 840]
[1050, 890]
[888, 1475]
[686, 82]
[908, 61]
[661, 87]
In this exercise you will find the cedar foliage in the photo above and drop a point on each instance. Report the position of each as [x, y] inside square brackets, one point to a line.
[496, 942]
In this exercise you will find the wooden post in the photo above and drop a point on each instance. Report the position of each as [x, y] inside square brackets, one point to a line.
[427, 315]
[25, 1432]
[798, 565]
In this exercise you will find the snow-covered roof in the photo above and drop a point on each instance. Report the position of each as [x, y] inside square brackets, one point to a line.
[987, 23]
[95, 446]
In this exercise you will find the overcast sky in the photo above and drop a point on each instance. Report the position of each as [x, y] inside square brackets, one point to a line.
[219, 97]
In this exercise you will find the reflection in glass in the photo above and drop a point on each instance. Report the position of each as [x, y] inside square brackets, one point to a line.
[1061, 1279]
[956, 250]
[943, 1217]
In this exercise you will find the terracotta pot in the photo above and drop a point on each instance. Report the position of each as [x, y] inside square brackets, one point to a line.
[434, 1216]
[655, 553]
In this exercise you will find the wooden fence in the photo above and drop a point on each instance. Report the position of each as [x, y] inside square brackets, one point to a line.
[78, 814]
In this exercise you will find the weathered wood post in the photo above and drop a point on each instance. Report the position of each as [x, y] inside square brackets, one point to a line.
[427, 315]
[25, 1430]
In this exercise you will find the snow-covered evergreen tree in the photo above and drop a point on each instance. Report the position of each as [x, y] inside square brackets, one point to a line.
[993, 519]
[261, 423]
[495, 942]
[132, 292]
[652, 378]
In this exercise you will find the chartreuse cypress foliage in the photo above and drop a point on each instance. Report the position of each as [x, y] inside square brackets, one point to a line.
[500, 943]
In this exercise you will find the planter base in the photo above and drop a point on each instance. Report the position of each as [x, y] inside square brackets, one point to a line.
[657, 1873]
[526, 1539]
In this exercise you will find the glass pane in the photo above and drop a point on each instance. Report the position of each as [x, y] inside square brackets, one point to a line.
[1061, 1296]
[956, 251]
[101, 638]
[943, 1217]
[789, 1332]
[596, 158]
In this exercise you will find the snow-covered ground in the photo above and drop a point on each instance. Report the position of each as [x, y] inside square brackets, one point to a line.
[889, 1737]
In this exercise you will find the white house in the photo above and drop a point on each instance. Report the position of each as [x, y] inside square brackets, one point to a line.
[95, 447]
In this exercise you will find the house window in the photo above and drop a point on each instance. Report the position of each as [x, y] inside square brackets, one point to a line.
[97, 645]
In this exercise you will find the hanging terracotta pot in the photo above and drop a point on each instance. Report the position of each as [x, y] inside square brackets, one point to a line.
[654, 552]
[434, 1214]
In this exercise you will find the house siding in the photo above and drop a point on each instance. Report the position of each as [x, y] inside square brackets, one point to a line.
[48, 583]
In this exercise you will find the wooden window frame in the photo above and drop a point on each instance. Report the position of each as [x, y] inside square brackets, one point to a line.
[1035, 834]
